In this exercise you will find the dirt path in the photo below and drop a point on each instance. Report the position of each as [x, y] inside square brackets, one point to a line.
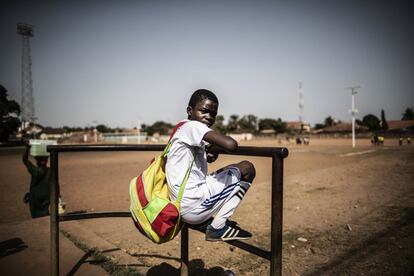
[354, 207]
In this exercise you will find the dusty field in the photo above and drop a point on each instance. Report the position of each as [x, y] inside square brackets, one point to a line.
[355, 208]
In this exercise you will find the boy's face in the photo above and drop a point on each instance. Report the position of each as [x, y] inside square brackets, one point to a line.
[204, 111]
[41, 161]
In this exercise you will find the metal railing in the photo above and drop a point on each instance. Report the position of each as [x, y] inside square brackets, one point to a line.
[275, 253]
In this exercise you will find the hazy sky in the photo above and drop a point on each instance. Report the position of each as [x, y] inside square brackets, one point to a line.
[124, 62]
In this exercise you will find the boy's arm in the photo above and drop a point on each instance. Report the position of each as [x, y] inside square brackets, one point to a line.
[29, 165]
[25, 157]
[217, 139]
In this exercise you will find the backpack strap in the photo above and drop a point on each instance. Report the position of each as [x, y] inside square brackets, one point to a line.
[167, 148]
[176, 128]
[187, 174]
[184, 183]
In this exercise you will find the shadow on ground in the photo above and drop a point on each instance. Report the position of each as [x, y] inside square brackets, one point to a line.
[196, 267]
[11, 246]
[386, 252]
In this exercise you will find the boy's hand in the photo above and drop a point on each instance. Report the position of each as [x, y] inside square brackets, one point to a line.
[26, 143]
[211, 157]
[212, 153]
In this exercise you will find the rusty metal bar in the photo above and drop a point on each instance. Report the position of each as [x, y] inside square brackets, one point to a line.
[184, 251]
[242, 150]
[276, 216]
[251, 249]
[105, 147]
[54, 220]
[87, 215]
[277, 155]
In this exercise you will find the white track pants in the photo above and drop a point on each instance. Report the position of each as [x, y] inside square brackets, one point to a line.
[225, 190]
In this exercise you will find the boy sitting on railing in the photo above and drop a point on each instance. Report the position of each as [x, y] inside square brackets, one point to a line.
[214, 195]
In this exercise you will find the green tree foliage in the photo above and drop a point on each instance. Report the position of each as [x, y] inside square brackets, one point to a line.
[278, 125]
[233, 123]
[219, 124]
[9, 110]
[319, 126]
[408, 114]
[72, 129]
[103, 128]
[371, 121]
[329, 121]
[160, 127]
[384, 124]
[248, 123]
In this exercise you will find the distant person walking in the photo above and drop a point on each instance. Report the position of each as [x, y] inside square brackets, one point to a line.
[39, 193]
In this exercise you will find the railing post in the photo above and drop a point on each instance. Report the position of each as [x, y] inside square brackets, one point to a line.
[54, 219]
[276, 216]
[184, 251]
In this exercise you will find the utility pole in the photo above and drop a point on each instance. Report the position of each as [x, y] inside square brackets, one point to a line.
[353, 110]
[301, 106]
[27, 101]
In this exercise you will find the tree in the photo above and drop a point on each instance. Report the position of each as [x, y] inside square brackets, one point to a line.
[319, 126]
[233, 123]
[160, 127]
[102, 128]
[371, 121]
[219, 124]
[329, 121]
[9, 110]
[248, 123]
[384, 124]
[277, 125]
[408, 114]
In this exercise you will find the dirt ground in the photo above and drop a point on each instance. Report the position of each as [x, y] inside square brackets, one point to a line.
[346, 211]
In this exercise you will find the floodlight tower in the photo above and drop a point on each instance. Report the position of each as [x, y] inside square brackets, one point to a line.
[353, 110]
[301, 105]
[27, 101]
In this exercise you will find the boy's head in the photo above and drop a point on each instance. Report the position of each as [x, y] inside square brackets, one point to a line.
[41, 161]
[203, 106]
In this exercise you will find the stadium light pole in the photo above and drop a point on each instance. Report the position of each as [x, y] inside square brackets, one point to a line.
[353, 110]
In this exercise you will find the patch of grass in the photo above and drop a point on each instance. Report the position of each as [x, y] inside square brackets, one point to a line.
[100, 259]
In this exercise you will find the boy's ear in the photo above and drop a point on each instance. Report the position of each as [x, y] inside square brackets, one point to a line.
[189, 111]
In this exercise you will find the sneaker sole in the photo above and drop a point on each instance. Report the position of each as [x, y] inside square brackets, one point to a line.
[227, 239]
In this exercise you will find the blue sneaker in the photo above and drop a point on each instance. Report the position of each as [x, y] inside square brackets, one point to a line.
[203, 226]
[227, 233]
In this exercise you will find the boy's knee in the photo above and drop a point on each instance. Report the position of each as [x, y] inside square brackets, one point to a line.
[247, 170]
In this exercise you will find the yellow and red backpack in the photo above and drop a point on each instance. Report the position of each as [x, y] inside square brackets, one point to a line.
[153, 213]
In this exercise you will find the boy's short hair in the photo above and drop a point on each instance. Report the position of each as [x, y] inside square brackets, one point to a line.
[201, 95]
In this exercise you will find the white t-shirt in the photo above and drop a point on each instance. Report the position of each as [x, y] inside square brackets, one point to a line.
[187, 144]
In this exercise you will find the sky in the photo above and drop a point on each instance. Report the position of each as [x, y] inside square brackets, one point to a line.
[124, 63]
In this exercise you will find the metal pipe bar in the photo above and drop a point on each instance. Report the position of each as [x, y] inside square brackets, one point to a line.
[242, 245]
[241, 150]
[246, 247]
[251, 249]
[87, 215]
[105, 147]
[276, 216]
[54, 220]
[184, 251]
